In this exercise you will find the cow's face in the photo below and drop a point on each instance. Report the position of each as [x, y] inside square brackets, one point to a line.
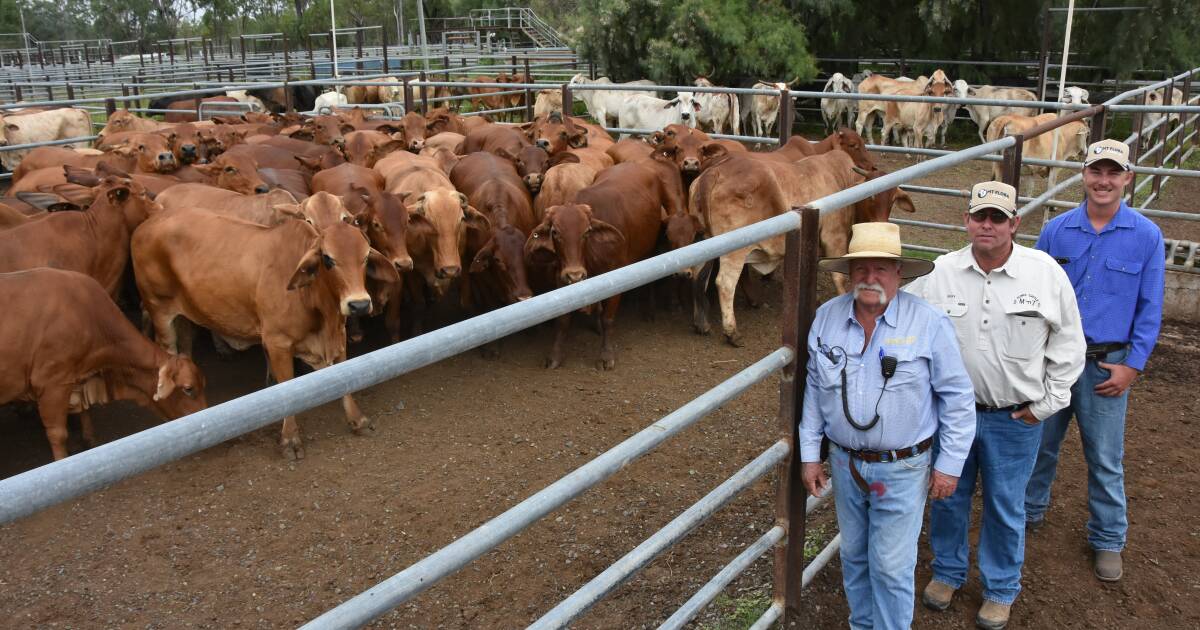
[340, 259]
[505, 254]
[569, 236]
[365, 148]
[412, 128]
[152, 151]
[531, 164]
[386, 224]
[442, 218]
[849, 141]
[686, 107]
[327, 130]
[555, 134]
[238, 173]
[6, 127]
[179, 390]
[130, 198]
[938, 88]
[187, 144]
[682, 144]
[1075, 95]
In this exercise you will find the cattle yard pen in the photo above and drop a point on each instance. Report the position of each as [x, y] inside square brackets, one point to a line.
[92, 470]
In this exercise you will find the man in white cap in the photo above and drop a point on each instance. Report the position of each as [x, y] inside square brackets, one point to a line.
[1114, 258]
[884, 376]
[1015, 316]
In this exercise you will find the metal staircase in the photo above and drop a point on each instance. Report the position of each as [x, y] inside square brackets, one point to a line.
[521, 19]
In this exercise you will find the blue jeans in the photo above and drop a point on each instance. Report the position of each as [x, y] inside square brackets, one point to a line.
[1002, 456]
[879, 536]
[1102, 429]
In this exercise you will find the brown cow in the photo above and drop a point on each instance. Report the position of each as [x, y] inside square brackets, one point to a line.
[364, 148]
[322, 130]
[494, 138]
[61, 331]
[413, 131]
[125, 121]
[560, 184]
[344, 178]
[259, 209]
[494, 187]
[236, 172]
[610, 225]
[185, 111]
[485, 97]
[442, 119]
[95, 242]
[629, 150]
[56, 157]
[289, 287]
[739, 190]
[269, 156]
[684, 145]
[844, 139]
[294, 181]
[444, 140]
[555, 134]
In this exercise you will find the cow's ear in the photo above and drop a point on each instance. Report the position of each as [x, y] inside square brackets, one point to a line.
[579, 139]
[76, 196]
[656, 138]
[695, 106]
[391, 146]
[713, 150]
[562, 158]
[311, 163]
[539, 247]
[380, 268]
[604, 240]
[306, 269]
[11, 127]
[903, 201]
[166, 382]
[671, 103]
[346, 128]
[484, 258]
[81, 176]
[118, 194]
[476, 220]
[501, 152]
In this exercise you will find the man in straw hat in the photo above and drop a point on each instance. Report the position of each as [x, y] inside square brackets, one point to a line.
[1015, 316]
[884, 375]
[1114, 258]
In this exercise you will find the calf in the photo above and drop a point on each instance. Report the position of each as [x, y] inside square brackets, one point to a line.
[61, 331]
[322, 130]
[922, 120]
[94, 242]
[289, 287]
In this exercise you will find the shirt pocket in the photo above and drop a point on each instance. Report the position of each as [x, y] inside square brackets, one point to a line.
[1121, 277]
[1026, 330]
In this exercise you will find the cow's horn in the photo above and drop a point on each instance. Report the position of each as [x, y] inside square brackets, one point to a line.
[860, 171]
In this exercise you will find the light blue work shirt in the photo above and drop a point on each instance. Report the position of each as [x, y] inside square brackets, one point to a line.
[930, 390]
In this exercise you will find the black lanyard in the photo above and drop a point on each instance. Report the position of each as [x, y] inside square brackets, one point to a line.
[887, 365]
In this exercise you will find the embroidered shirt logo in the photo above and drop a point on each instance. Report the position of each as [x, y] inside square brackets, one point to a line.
[900, 341]
[1027, 299]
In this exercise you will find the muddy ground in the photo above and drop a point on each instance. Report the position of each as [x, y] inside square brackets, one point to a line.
[236, 536]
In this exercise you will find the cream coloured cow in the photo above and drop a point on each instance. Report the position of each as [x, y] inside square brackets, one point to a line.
[718, 112]
[983, 115]
[834, 109]
[44, 126]
[1072, 141]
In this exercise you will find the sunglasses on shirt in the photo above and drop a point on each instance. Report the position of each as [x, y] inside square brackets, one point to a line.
[995, 215]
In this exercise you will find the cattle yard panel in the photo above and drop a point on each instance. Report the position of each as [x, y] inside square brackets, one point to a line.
[88, 471]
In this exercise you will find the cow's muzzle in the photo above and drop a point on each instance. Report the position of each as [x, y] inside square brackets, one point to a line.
[533, 182]
[403, 263]
[358, 307]
[686, 116]
[543, 143]
[262, 189]
[450, 271]
[691, 165]
[416, 145]
[573, 275]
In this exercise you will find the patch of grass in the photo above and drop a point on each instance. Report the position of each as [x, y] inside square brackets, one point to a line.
[815, 539]
[919, 254]
[738, 613]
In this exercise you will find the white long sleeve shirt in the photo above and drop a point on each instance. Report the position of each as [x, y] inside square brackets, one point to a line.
[1018, 326]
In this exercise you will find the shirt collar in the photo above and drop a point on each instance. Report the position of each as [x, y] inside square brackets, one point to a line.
[1122, 219]
[891, 314]
[966, 260]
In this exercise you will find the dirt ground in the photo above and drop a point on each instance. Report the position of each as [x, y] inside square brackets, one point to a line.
[236, 536]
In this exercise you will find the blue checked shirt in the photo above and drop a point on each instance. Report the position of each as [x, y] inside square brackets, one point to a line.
[1117, 275]
[929, 392]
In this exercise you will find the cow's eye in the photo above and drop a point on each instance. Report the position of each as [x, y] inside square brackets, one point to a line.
[189, 391]
[328, 260]
[231, 170]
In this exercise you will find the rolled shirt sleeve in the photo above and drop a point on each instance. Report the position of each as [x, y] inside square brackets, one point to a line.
[1065, 349]
[955, 399]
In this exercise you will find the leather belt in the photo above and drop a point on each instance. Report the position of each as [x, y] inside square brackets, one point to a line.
[877, 457]
[1101, 350]
[1009, 408]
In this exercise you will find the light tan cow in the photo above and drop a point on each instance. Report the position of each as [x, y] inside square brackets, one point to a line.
[917, 123]
[1158, 97]
[55, 124]
[1072, 141]
[869, 110]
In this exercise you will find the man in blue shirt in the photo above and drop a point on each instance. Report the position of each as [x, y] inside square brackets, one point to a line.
[884, 375]
[1115, 259]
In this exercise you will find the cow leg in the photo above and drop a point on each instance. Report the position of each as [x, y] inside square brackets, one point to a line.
[89, 429]
[185, 335]
[52, 408]
[753, 288]
[282, 369]
[608, 355]
[727, 280]
[354, 329]
[391, 313]
[561, 325]
[700, 298]
[165, 332]
[358, 421]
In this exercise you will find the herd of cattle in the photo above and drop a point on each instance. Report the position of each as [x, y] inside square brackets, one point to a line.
[287, 230]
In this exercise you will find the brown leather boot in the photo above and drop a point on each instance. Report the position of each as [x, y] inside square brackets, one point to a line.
[937, 596]
[1108, 566]
[992, 616]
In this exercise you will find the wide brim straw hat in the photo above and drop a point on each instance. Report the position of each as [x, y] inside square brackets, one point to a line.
[877, 240]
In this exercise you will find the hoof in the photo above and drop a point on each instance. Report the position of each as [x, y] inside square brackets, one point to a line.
[293, 450]
[702, 330]
[362, 426]
[552, 363]
[606, 364]
[735, 339]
